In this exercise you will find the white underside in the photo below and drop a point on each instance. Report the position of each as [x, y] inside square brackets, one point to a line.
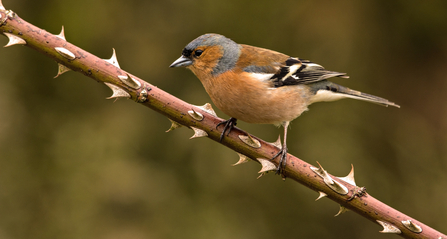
[325, 95]
[320, 96]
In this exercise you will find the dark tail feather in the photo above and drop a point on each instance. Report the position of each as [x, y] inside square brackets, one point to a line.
[359, 95]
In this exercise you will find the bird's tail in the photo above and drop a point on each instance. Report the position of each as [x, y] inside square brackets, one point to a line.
[331, 91]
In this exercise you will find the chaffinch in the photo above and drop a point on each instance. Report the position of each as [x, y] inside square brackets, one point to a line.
[262, 86]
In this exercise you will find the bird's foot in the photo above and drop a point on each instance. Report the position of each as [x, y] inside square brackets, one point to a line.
[282, 161]
[229, 125]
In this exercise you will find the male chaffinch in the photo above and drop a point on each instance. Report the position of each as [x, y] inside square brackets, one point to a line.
[262, 86]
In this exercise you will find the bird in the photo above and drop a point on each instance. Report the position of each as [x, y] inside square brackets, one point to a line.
[262, 86]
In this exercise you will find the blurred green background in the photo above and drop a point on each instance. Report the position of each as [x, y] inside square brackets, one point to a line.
[74, 165]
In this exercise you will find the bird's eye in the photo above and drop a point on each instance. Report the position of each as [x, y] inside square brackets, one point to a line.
[197, 53]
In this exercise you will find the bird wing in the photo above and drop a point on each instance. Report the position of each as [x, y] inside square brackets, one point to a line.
[297, 71]
[282, 69]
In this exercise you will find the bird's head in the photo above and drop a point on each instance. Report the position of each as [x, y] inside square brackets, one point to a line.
[210, 54]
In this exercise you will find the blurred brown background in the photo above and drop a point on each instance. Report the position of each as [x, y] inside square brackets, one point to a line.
[74, 165]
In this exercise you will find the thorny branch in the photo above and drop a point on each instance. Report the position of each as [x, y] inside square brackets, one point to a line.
[203, 121]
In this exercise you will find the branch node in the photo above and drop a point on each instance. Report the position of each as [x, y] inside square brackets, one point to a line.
[358, 192]
[7, 14]
[142, 97]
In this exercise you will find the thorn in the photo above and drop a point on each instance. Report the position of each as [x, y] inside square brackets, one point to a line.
[62, 69]
[208, 108]
[14, 40]
[195, 115]
[113, 60]
[334, 185]
[267, 166]
[412, 226]
[388, 228]
[174, 125]
[350, 177]
[322, 195]
[341, 211]
[65, 53]
[250, 141]
[62, 34]
[198, 133]
[130, 81]
[117, 91]
[277, 143]
[1, 6]
[242, 159]
[320, 171]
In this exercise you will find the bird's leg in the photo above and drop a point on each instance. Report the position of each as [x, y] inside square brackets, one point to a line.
[229, 125]
[282, 152]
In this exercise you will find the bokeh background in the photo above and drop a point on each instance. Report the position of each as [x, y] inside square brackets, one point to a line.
[74, 165]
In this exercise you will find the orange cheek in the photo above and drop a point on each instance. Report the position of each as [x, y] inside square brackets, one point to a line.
[207, 61]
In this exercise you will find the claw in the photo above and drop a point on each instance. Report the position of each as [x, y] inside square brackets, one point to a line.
[282, 152]
[229, 125]
[282, 161]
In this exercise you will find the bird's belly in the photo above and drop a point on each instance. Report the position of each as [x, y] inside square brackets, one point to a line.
[274, 106]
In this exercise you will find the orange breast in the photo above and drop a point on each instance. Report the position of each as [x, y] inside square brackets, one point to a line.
[254, 101]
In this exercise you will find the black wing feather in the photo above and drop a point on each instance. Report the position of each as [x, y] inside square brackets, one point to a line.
[305, 72]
